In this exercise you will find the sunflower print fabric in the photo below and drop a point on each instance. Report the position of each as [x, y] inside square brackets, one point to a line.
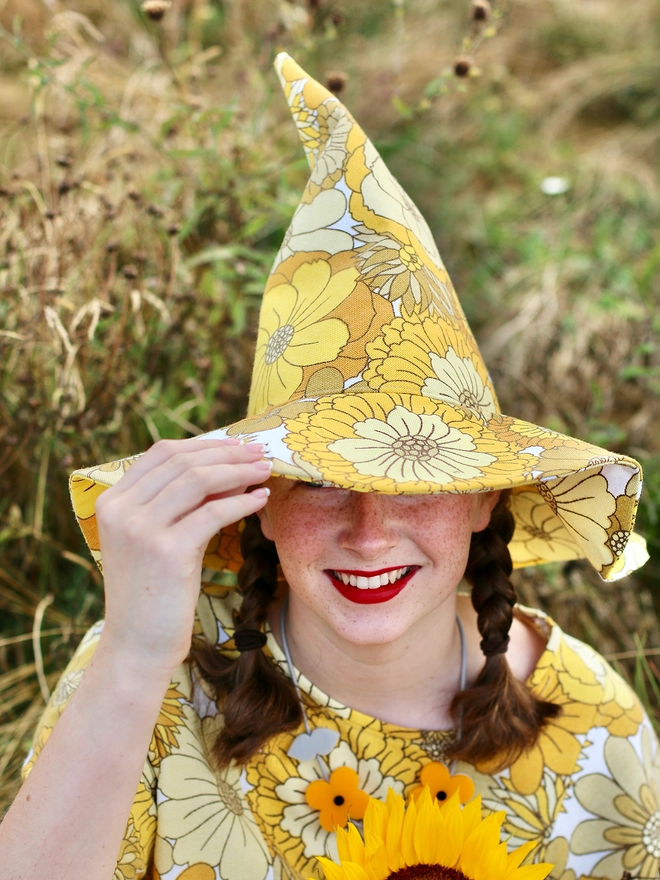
[367, 375]
[586, 797]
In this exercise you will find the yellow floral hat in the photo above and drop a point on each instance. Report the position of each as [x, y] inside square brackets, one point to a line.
[367, 376]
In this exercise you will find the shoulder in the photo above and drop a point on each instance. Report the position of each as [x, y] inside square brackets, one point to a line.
[572, 672]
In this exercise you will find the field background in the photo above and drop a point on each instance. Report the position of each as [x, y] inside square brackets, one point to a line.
[148, 172]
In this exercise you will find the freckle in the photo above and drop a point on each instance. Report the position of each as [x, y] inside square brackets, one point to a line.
[27, 798]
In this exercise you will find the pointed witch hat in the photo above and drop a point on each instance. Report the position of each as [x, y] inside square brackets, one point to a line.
[367, 376]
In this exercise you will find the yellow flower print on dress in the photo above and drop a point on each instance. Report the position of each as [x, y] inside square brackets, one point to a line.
[586, 677]
[170, 719]
[205, 814]
[397, 443]
[423, 356]
[442, 784]
[398, 271]
[294, 331]
[279, 798]
[530, 818]
[338, 799]
[627, 806]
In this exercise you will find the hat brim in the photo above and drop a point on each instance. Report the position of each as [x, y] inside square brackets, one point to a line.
[570, 499]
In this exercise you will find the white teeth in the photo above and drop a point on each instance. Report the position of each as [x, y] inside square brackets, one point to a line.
[372, 583]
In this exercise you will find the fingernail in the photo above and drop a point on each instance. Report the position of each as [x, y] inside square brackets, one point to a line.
[265, 465]
[230, 441]
[255, 447]
[262, 492]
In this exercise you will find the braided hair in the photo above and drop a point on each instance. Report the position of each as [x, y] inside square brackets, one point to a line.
[499, 715]
[258, 702]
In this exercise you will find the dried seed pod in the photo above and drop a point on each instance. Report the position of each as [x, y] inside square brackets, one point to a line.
[155, 9]
[480, 10]
[335, 81]
[154, 211]
[462, 65]
[134, 195]
[173, 229]
[129, 271]
[63, 161]
[112, 247]
[64, 187]
[50, 215]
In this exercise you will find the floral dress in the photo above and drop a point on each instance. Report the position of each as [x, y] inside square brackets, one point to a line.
[587, 794]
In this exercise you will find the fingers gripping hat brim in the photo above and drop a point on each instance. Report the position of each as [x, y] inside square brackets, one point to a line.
[367, 376]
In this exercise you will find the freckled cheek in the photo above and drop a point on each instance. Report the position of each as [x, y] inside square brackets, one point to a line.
[299, 538]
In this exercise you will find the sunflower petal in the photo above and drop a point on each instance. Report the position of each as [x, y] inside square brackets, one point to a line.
[395, 805]
[408, 834]
[452, 845]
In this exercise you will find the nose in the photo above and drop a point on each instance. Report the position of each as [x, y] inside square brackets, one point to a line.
[369, 529]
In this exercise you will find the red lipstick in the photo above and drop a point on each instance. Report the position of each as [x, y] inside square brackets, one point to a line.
[374, 596]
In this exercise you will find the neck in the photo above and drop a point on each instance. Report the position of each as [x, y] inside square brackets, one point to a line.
[410, 682]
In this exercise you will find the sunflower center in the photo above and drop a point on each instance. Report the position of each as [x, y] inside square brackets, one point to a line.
[229, 798]
[427, 872]
[278, 343]
[415, 448]
[651, 835]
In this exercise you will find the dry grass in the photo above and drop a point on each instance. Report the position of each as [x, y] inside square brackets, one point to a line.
[148, 173]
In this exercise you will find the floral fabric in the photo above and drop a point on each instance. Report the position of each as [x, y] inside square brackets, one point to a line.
[367, 376]
[587, 795]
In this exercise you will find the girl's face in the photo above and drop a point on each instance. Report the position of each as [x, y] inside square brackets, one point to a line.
[367, 566]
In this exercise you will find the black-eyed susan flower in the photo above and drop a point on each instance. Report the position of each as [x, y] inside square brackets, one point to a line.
[427, 841]
[442, 784]
[337, 799]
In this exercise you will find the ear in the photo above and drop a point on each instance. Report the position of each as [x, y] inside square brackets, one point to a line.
[266, 525]
[486, 501]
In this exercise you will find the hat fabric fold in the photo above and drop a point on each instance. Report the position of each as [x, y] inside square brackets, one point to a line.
[367, 376]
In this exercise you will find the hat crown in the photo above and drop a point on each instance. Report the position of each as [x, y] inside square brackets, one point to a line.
[358, 299]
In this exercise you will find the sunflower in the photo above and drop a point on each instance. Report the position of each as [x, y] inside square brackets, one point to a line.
[426, 841]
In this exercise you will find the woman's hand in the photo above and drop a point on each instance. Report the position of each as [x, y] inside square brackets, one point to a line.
[154, 526]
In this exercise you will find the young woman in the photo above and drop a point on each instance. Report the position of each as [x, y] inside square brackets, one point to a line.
[371, 505]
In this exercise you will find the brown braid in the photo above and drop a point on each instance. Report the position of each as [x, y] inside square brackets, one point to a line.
[500, 715]
[256, 699]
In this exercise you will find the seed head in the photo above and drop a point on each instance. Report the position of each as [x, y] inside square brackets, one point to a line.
[129, 271]
[155, 9]
[462, 65]
[335, 81]
[480, 10]
[63, 161]
[173, 229]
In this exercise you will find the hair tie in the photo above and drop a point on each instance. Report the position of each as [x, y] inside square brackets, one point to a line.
[494, 645]
[249, 639]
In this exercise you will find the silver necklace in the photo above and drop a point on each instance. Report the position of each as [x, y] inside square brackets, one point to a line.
[316, 744]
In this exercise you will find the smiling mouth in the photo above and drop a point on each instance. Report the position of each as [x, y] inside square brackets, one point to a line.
[372, 581]
[371, 587]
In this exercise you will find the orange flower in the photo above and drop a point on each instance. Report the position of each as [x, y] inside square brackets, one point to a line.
[337, 799]
[442, 784]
